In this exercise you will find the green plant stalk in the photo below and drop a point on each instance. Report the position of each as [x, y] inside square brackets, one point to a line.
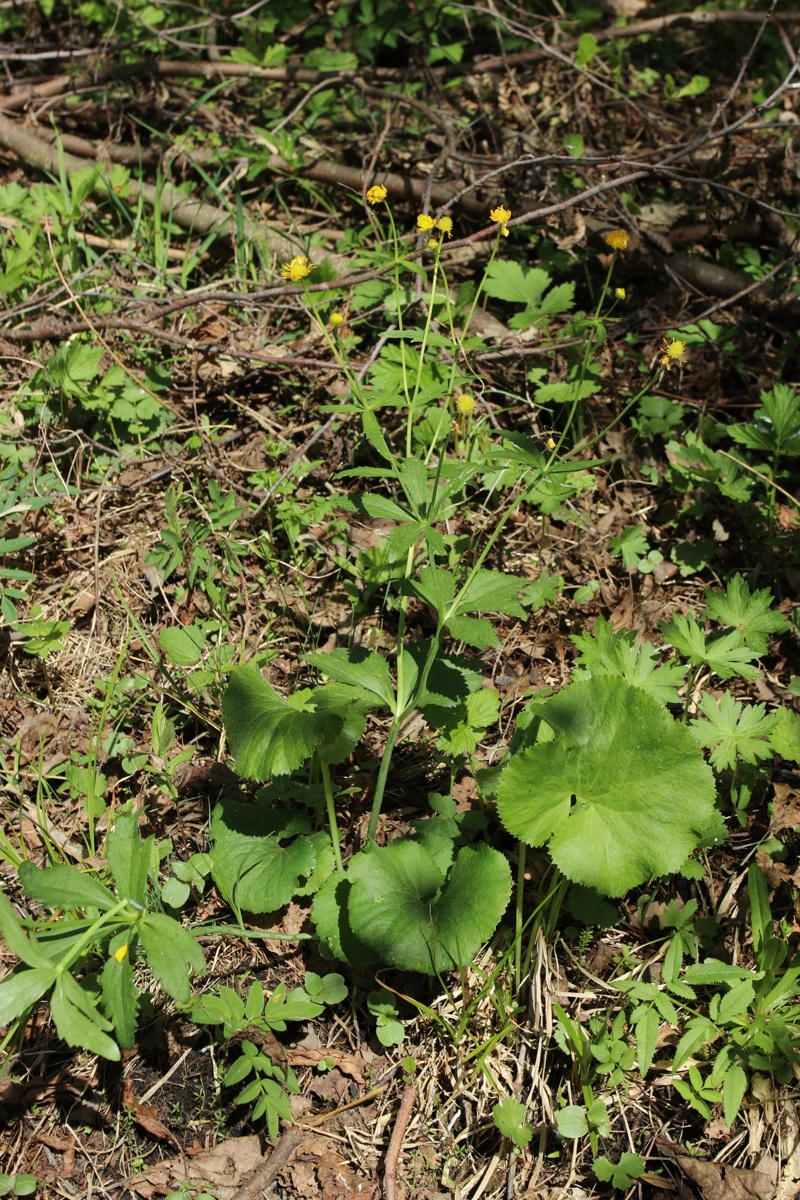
[585, 364]
[401, 629]
[518, 914]
[335, 348]
[520, 897]
[433, 651]
[74, 952]
[332, 822]
[398, 300]
[383, 774]
[422, 347]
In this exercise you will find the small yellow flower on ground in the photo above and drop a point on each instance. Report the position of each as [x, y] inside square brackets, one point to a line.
[618, 239]
[297, 269]
[674, 351]
[619, 293]
[336, 318]
[446, 225]
[376, 194]
[122, 953]
[465, 404]
[424, 222]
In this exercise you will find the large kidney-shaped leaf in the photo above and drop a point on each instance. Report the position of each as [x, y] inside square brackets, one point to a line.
[330, 915]
[621, 794]
[248, 863]
[349, 705]
[267, 734]
[415, 918]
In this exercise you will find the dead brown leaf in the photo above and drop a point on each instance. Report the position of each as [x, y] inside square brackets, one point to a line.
[348, 1064]
[318, 1172]
[146, 1115]
[785, 809]
[224, 1167]
[718, 1182]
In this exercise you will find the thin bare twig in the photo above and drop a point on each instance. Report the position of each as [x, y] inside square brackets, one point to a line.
[399, 1132]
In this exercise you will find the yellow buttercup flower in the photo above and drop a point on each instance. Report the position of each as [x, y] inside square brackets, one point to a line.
[376, 194]
[465, 404]
[500, 215]
[432, 243]
[674, 350]
[424, 222]
[618, 239]
[122, 953]
[336, 318]
[297, 269]
[619, 293]
[446, 225]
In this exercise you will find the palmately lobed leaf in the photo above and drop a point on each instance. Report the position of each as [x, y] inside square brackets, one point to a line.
[621, 795]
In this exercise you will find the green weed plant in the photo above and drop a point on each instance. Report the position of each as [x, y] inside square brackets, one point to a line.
[592, 773]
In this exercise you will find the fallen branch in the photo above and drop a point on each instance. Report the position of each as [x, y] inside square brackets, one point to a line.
[265, 1175]
[398, 1133]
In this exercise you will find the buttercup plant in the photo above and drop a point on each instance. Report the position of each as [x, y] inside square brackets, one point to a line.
[426, 902]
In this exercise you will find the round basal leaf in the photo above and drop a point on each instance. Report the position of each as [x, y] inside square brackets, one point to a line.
[413, 918]
[571, 1121]
[249, 864]
[268, 735]
[622, 794]
[330, 916]
[352, 707]
[183, 645]
[324, 865]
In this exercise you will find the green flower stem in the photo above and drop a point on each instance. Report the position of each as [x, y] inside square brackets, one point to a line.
[401, 629]
[519, 906]
[518, 910]
[398, 298]
[423, 346]
[334, 347]
[383, 774]
[332, 822]
[585, 364]
[74, 952]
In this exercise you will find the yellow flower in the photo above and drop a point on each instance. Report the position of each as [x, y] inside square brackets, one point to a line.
[500, 215]
[122, 953]
[297, 269]
[376, 194]
[465, 404]
[336, 318]
[424, 222]
[619, 293]
[618, 239]
[432, 243]
[674, 351]
[446, 225]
